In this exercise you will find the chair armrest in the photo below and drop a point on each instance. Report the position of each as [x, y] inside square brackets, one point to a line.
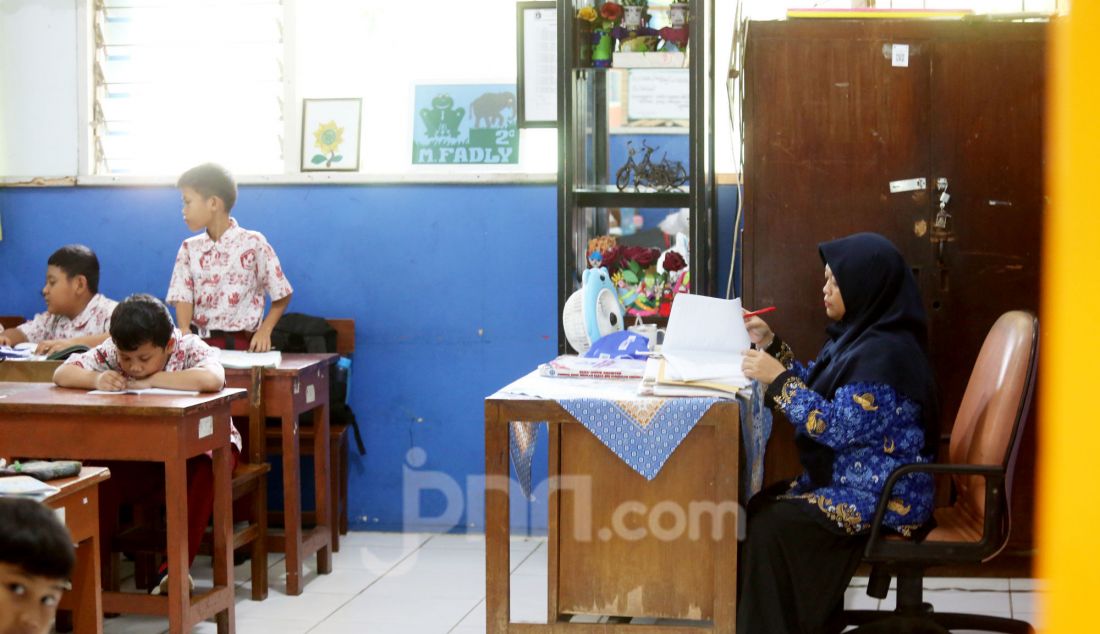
[993, 474]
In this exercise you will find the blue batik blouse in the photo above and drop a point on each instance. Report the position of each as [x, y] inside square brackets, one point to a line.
[872, 429]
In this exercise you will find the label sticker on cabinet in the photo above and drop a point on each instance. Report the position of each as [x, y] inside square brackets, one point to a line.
[311, 394]
[206, 426]
[908, 185]
[899, 55]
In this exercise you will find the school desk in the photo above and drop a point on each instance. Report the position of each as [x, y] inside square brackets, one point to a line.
[44, 421]
[77, 505]
[662, 573]
[298, 385]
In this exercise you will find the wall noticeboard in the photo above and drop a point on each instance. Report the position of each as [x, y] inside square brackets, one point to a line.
[537, 64]
[663, 93]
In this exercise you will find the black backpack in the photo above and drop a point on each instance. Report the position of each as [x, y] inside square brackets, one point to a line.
[297, 332]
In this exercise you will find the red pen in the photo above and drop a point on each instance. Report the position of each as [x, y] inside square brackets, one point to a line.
[759, 312]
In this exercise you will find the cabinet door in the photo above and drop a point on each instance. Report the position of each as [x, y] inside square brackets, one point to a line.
[987, 140]
[830, 122]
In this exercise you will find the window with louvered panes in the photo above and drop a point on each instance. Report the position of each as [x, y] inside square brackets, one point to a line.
[179, 82]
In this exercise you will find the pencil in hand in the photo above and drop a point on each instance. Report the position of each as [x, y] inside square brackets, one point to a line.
[759, 312]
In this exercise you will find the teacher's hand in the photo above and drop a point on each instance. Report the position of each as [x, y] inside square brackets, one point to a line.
[759, 332]
[761, 366]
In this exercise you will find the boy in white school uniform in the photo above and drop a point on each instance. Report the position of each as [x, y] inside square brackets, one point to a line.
[147, 350]
[221, 275]
[76, 313]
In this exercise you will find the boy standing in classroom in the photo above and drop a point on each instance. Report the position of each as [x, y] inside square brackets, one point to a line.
[147, 350]
[221, 275]
[76, 314]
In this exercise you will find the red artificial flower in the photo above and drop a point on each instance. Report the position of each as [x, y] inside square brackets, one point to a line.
[674, 261]
[611, 11]
[644, 256]
[613, 259]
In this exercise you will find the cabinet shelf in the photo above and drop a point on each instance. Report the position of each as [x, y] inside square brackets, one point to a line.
[610, 196]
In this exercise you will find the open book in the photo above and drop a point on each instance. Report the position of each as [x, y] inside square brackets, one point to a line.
[152, 391]
[704, 343]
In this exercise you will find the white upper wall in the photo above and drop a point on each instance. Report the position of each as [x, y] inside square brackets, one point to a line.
[39, 110]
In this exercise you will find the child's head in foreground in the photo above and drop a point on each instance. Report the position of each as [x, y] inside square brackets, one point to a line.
[141, 328]
[36, 559]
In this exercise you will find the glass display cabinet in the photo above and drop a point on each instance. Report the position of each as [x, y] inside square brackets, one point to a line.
[636, 150]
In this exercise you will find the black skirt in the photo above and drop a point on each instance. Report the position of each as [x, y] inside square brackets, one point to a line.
[795, 567]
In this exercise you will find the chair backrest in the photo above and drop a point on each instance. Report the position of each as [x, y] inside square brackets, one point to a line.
[991, 417]
[345, 335]
[11, 321]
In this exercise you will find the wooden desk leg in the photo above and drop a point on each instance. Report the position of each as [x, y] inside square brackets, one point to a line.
[553, 509]
[322, 486]
[223, 534]
[292, 505]
[87, 599]
[175, 488]
[497, 610]
[725, 548]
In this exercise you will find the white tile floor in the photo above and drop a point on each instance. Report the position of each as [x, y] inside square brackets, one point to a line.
[421, 583]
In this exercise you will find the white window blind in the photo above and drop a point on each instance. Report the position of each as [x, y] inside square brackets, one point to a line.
[177, 83]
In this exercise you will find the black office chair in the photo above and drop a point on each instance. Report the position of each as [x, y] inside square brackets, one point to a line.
[975, 528]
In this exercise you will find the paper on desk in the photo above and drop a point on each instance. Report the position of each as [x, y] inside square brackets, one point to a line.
[26, 486]
[705, 337]
[152, 391]
[242, 359]
[563, 388]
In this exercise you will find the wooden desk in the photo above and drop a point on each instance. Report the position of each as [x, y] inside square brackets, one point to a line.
[663, 573]
[78, 505]
[28, 371]
[44, 421]
[300, 384]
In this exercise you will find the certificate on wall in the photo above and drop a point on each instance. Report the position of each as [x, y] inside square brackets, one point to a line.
[536, 64]
[465, 124]
[658, 94]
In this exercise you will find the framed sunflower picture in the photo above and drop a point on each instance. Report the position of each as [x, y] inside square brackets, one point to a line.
[330, 134]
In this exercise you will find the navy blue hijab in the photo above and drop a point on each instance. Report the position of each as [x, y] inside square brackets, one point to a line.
[883, 336]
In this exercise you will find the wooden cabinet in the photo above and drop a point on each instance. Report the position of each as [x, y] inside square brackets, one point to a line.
[841, 117]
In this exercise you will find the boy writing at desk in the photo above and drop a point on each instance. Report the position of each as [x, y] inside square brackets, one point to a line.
[146, 350]
[221, 275]
[76, 314]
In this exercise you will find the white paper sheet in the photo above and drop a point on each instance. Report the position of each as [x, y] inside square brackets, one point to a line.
[151, 391]
[705, 337]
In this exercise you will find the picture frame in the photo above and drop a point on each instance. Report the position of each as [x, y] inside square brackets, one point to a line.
[537, 64]
[331, 128]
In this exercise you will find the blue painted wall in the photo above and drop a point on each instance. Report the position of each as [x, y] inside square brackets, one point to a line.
[452, 289]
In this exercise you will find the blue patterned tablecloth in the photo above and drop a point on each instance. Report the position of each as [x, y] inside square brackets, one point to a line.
[644, 432]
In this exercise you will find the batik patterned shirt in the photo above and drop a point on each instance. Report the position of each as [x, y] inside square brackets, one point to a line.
[95, 319]
[189, 352]
[873, 430]
[225, 280]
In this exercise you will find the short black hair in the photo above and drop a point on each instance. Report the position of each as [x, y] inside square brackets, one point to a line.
[138, 319]
[211, 179]
[77, 259]
[32, 538]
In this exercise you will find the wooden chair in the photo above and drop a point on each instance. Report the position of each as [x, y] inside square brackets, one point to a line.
[338, 447]
[11, 321]
[147, 539]
[984, 443]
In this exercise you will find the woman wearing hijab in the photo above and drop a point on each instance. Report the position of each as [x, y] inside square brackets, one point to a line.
[864, 407]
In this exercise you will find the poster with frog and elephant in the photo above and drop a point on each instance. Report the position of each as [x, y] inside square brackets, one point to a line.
[465, 124]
